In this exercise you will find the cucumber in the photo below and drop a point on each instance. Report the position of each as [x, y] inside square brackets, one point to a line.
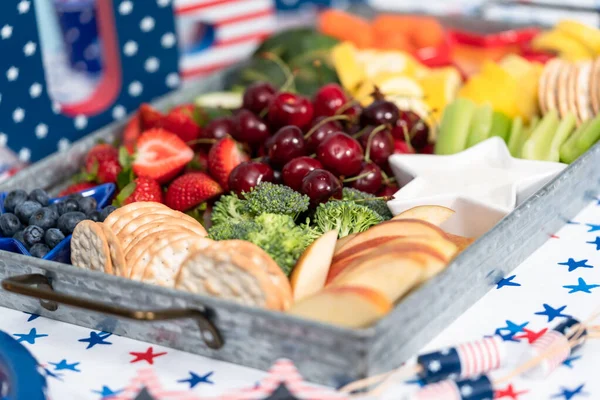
[481, 125]
[455, 126]
[539, 142]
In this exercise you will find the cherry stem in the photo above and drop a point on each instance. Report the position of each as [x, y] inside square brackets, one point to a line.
[264, 112]
[370, 141]
[202, 141]
[284, 68]
[323, 122]
[357, 177]
[345, 107]
[313, 155]
[360, 133]
[385, 198]
[407, 137]
[386, 179]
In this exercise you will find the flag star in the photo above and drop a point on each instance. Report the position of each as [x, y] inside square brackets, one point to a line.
[172, 81]
[147, 356]
[23, 6]
[568, 394]
[35, 90]
[509, 392]
[507, 282]
[147, 24]
[63, 364]
[552, 313]
[29, 337]
[6, 32]
[434, 366]
[12, 73]
[466, 390]
[194, 379]
[445, 351]
[41, 131]
[125, 7]
[573, 265]
[3, 139]
[152, 64]
[135, 88]
[130, 48]
[18, 115]
[96, 338]
[119, 112]
[24, 154]
[596, 242]
[168, 40]
[63, 144]
[29, 48]
[581, 286]
[80, 122]
[163, 3]
[531, 336]
[107, 392]
[569, 360]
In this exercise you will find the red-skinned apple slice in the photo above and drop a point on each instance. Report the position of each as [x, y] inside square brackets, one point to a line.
[342, 241]
[461, 242]
[435, 215]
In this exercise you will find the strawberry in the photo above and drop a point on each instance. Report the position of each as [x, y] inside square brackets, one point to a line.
[149, 117]
[223, 157]
[180, 121]
[199, 163]
[132, 132]
[141, 189]
[102, 164]
[161, 155]
[108, 170]
[191, 190]
[98, 153]
[77, 187]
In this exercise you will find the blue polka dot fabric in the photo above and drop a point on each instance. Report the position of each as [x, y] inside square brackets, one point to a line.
[32, 123]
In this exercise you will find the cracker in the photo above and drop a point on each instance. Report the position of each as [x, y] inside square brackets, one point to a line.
[547, 72]
[121, 216]
[562, 98]
[551, 93]
[584, 107]
[117, 257]
[261, 259]
[228, 275]
[89, 247]
[595, 86]
[164, 263]
[157, 226]
[572, 83]
[157, 215]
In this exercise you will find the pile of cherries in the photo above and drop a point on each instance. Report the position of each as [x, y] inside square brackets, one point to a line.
[316, 147]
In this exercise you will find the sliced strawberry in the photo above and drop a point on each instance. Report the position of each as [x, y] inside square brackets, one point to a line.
[77, 187]
[181, 122]
[191, 190]
[149, 117]
[132, 132]
[141, 189]
[223, 157]
[161, 155]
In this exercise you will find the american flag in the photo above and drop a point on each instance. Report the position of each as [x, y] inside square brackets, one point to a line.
[468, 389]
[233, 29]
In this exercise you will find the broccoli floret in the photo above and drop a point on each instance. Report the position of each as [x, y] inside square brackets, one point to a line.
[271, 198]
[229, 208]
[232, 230]
[281, 238]
[346, 216]
[377, 205]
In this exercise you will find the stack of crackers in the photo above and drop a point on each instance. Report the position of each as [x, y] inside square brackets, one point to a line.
[149, 242]
[571, 88]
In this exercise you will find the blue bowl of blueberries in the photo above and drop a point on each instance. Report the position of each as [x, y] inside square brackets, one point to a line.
[36, 225]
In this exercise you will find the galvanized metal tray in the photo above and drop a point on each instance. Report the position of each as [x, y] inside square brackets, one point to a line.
[253, 337]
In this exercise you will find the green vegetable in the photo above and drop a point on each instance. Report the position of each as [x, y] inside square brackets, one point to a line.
[229, 208]
[377, 205]
[517, 137]
[346, 216]
[580, 141]
[232, 230]
[541, 137]
[275, 199]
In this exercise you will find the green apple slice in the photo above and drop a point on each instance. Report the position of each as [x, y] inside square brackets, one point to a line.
[455, 126]
[227, 100]
[481, 125]
[538, 144]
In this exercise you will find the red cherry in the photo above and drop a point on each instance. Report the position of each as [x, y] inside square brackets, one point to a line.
[321, 133]
[328, 100]
[286, 144]
[417, 129]
[258, 96]
[401, 147]
[249, 128]
[388, 190]
[380, 112]
[340, 154]
[370, 180]
[290, 109]
[382, 145]
[249, 174]
[295, 171]
[217, 129]
[429, 149]
[320, 186]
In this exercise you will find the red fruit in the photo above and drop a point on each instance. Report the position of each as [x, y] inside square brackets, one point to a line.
[321, 185]
[321, 133]
[294, 171]
[161, 155]
[381, 145]
[401, 147]
[328, 100]
[77, 187]
[144, 189]
[191, 190]
[410, 123]
[149, 117]
[223, 157]
[286, 144]
[132, 132]
[370, 179]
[249, 128]
[388, 190]
[180, 121]
[98, 153]
[380, 112]
[108, 170]
[258, 96]
[198, 164]
[218, 128]
[249, 174]
[429, 149]
[341, 154]
[290, 109]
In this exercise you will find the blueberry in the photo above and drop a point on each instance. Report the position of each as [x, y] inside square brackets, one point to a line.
[26, 209]
[19, 236]
[87, 204]
[40, 196]
[9, 224]
[39, 250]
[68, 205]
[53, 237]
[107, 210]
[67, 222]
[44, 218]
[33, 234]
[95, 216]
[13, 199]
[75, 196]
[54, 209]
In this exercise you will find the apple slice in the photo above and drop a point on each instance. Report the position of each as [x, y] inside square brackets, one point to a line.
[312, 268]
[461, 242]
[344, 240]
[435, 215]
[392, 273]
[347, 306]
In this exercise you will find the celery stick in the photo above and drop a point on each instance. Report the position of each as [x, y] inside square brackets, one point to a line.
[589, 136]
[455, 127]
[568, 150]
[516, 133]
[540, 140]
[500, 125]
[533, 123]
[566, 126]
[481, 125]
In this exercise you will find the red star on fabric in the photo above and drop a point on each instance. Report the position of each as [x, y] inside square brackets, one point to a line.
[531, 336]
[148, 356]
[554, 237]
[509, 392]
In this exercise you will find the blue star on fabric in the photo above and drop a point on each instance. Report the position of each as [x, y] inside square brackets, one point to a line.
[569, 394]
[107, 392]
[63, 364]
[512, 327]
[53, 375]
[581, 287]
[552, 313]
[573, 265]
[196, 379]
[569, 360]
[507, 282]
[96, 338]
[572, 223]
[596, 242]
[32, 317]
[593, 228]
[28, 337]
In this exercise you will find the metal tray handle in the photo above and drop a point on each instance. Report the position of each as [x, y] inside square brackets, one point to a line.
[40, 287]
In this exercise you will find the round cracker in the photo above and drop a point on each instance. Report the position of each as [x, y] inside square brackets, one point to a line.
[157, 226]
[117, 257]
[229, 275]
[595, 86]
[551, 92]
[126, 232]
[571, 95]
[121, 216]
[547, 72]
[563, 89]
[261, 259]
[89, 247]
[584, 107]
